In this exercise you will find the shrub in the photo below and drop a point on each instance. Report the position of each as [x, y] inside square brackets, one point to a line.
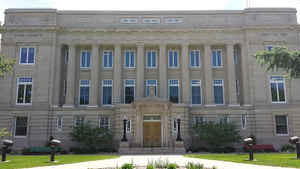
[261, 148]
[288, 148]
[191, 165]
[217, 136]
[172, 166]
[39, 150]
[161, 163]
[91, 139]
[150, 166]
[127, 166]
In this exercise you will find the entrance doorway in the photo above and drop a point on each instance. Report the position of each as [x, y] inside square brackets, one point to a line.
[152, 131]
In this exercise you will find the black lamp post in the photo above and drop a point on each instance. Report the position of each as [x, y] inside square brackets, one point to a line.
[178, 131]
[124, 139]
[6, 144]
[249, 143]
[295, 140]
[53, 144]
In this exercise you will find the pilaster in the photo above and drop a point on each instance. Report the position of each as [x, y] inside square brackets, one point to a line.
[71, 77]
[245, 76]
[209, 100]
[231, 76]
[163, 71]
[140, 71]
[185, 73]
[117, 75]
[94, 76]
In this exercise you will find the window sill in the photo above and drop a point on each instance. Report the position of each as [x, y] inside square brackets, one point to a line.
[30, 64]
[151, 68]
[107, 68]
[195, 67]
[23, 104]
[20, 136]
[85, 68]
[282, 135]
[217, 67]
[279, 102]
[173, 67]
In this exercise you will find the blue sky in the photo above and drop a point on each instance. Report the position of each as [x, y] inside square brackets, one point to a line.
[144, 4]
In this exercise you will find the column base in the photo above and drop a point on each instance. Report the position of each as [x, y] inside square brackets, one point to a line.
[124, 147]
[179, 147]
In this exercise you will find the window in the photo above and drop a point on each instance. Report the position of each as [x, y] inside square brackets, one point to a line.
[217, 58]
[277, 89]
[106, 92]
[85, 59]
[129, 91]
[128, 126]
[150, 83]
[27, 55]
[237, 86]
[78, 120]
[65, 87]
[219, 91]
[223, 119]
[21, 126]
[59, 122]
[281, 124]
[107, 59]
[151, 59]
[129, 58]
[174, 91]
[24, 91]
[104, 122]
[198, 119]
[175, 125]
[196, 91]
[236, 55]
[173, 58]
[244, 121]
[195, 58]
[84, 92]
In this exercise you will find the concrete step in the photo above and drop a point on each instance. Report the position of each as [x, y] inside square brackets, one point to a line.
[153, 150]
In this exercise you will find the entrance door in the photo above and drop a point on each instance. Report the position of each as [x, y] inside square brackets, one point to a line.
[152, 134]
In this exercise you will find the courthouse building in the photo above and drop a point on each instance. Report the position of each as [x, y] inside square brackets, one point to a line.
[160, 72]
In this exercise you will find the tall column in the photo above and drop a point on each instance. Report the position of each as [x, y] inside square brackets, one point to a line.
[245, 74]
[163, 72]
[185, 73]
[209, 99]
[94, 76]
[71, 77]
[117, 75]
[140, 71]
[231, 76]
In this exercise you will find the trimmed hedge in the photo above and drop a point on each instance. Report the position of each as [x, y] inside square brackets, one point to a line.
[39, 150]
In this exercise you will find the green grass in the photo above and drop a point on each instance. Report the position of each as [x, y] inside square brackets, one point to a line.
[24, 161]
[270, 159]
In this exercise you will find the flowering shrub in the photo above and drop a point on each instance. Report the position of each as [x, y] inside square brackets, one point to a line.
[261, 148]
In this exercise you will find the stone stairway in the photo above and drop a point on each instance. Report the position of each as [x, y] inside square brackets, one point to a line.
[153, 150]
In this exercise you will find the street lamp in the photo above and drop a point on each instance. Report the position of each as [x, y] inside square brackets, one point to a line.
[249, 143]
[295, 140]
[6, 144]
[53, 144]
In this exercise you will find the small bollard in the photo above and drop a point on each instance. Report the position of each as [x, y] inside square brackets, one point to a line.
[249, 142]
[6, 144]
[295, 140]
[53, 144]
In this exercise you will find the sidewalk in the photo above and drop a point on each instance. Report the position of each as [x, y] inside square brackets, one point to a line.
[142, 160]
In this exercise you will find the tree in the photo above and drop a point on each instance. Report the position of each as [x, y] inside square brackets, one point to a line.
[280, 58]
[218, 136]
[6, 65]
[3, 133]
[92, 139]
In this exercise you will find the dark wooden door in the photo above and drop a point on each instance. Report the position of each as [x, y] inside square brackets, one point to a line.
[152, 134]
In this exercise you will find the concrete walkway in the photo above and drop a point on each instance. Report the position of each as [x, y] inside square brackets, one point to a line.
[142, 160]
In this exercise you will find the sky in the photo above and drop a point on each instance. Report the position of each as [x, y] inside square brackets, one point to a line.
[145, 4]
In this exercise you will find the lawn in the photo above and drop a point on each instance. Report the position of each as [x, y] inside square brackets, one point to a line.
[270, 159]
[24, 161]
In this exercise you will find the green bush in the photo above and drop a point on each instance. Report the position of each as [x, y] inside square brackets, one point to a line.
[172, 166]
[91, 139]
[191, 165]
[219, 137]
[127, 166]
[161, 163]
[150, 166]
[288, 148]
[39, 150]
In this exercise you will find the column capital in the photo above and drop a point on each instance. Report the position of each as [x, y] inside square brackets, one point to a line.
[140, 44]
[185, 44]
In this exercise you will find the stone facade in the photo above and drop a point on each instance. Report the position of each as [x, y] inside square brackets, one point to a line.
[59, 37]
